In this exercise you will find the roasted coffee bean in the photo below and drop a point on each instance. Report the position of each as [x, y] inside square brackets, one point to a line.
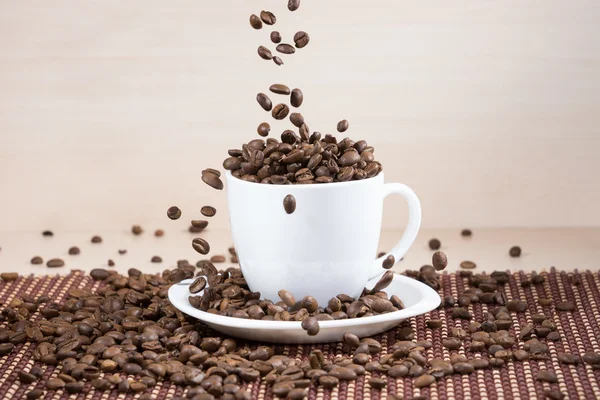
[55, 384]
[156, 259]
[343, 126]
[384, 282]
[285, 48]
[424, 381]
[268, 17]
[279, 88]
[199, 224]
[567, 358]
[208, 211]
[398, 371]
[463, 368]
[434, 324]
[265, 54]
[515, 251]
[462, 313]
[377, 383]
[218, 259]
[452, 343]
[311, 326]
[468, 265]
[351, 340]
[591, 358]
[301, 39]
[466, 232]
[47, 233]
[198, 285]
[297, 119]
[289, 204]
[389, 262]
[136, 230]
[37, 260]
[263, 130]
[277, 60]
[34, 394]
[212, 179]
[565, 306]
[255, 22]
[201, 246]
[174, 213]
[293, 5]
[96, 239]
[516, 305]
[280, 111]
[435, 244]
[55, 263]
[159, 233]
[439, 261]
[296, 98]
[276, 38]
[546, 376]
[9, 276]
[74, 250]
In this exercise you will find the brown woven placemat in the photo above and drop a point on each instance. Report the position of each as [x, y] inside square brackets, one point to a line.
[579, 330]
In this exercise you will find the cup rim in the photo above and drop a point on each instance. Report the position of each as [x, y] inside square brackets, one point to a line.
[230, 177]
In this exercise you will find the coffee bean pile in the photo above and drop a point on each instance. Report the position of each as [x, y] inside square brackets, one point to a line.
[301, 38]
[229, 295]
[128, 327]
[301, 158]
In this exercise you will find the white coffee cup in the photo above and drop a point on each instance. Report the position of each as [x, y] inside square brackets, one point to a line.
[326, 247]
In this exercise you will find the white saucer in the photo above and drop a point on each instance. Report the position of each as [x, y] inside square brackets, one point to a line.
[417, 297]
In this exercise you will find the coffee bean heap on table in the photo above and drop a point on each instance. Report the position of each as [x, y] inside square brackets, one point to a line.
[129, 327]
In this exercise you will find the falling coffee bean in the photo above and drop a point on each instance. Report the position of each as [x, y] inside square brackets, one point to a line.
[280, 111]
[439, 261]
[301, 39]
[201, 246]
[384, 282]
[296, 98]
[468, 265]
[47, 233]
[159, 233]
[55, 263]
[310, 325]
[515, 251]
[268, 17]
[285, 48]
[136, 230]
[297, 119]
[74, 250]
[199, 224]
[212, 179]
[279, 88]
[264, 101]
[435, 244]
[289, 204]
[264, 129]
[466, 232]
[277, 60]
[389, 262]
[218, 259]
[174, 213]
[275, 37]
[208, 211]
[255, 22]
[37, 260]
[198, 285]
[342, 126]
[156, 259]
[293, 5]
[264, 53]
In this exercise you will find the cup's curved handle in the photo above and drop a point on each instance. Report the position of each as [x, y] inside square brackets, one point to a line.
[414, 223]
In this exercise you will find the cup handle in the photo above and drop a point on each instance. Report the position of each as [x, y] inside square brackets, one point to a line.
[414, 223]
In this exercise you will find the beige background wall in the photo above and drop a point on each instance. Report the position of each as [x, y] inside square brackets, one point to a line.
[490, 110]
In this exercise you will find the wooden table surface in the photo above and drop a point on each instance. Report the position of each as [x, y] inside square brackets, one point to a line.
[566, 249]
